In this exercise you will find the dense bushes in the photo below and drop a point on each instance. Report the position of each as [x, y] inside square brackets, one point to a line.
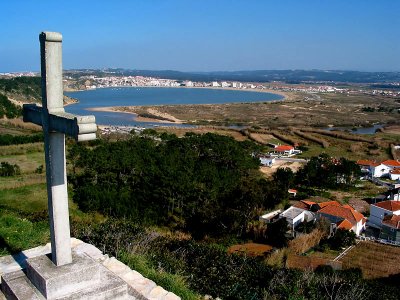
[7, 169]
[27, 86]
[8, 109]
[209, 269]
[205, 184]
[8, 139]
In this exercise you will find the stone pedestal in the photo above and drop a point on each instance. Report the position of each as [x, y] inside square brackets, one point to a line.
[31, 275]
[84, 278]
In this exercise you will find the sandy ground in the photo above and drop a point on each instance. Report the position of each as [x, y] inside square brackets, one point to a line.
[131, 110]
[269, 171]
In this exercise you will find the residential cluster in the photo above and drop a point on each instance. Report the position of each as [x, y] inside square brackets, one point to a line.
[385, 169]
[333, 89]
[93, 82]
[278, 151]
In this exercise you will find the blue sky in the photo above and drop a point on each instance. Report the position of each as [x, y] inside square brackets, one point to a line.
[206, 35]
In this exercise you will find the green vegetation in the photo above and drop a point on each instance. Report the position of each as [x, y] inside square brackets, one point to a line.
[8, 170]
[29, 87]
[8, 109]
[8, 139]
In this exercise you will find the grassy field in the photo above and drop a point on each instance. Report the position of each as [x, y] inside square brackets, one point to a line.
[375, 260]
[301, 109]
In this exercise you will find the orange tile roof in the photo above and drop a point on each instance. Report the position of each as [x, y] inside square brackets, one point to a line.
[328, 203]
[345, 224]
[389, 205]
[395, 171]
[391, 162]
[348, 206]
[392, 221]
[366, 162]
[351, 215]
[303, 204]
[292, 191]
[283, 148]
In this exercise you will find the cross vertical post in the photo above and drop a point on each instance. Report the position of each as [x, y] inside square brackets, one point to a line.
[56, 123]
[52, 98]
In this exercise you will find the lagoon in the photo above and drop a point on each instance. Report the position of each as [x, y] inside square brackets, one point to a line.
[132, 96]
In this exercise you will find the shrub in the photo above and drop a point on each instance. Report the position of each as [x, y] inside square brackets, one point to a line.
[7, 169]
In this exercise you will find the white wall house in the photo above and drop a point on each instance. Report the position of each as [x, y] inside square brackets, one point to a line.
[267, 161]
[395, 174]
[379, 170]
[337, 214]
[381, 209]
[295, 216]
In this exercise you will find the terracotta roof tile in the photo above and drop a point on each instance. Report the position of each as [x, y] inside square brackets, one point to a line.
[283, 148]
[391, 162]
[392, 221]
[351, 215]
[328, 203]
[389, 205]
[395, 171]
[345, 224]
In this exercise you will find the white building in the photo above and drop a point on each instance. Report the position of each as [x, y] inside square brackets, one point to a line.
[224, 84]
[382, 209]
[395, 174]
[215, 84]
[267, 161]
[295, 216]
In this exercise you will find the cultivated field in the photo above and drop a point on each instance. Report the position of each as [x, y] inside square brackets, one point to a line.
[375, 260]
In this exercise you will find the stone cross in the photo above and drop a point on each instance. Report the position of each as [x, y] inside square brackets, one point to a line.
[56, 123]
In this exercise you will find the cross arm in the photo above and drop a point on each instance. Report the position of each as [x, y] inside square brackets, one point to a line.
[81, 128]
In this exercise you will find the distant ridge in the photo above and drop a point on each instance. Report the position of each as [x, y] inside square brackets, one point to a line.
[289, 76]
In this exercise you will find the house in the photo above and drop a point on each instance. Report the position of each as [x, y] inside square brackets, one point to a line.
[284, 150]
[394, 174]
[270, 217]
[342, 216]
[376, 169]
[267, 160]
[307, 205]
[378, 211]
[391, 228]
[292, 192]
[295, 216]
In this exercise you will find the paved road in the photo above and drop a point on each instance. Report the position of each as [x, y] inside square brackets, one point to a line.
[290, 159]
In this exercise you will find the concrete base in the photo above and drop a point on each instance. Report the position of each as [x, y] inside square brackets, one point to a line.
[30, 275]
[82, 279]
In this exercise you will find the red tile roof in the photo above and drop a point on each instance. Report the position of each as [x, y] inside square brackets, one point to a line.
[350, 215]
[328, 203]
[392, 221]
[303, 204]
[345, 224]
[395, 171]
[284, 148]
[391, 162]
[366, 162]
[389, 205]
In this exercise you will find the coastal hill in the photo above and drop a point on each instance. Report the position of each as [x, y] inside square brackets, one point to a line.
[289, 76]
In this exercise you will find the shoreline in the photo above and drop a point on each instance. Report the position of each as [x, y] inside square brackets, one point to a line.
[170, 119]
[136, 117]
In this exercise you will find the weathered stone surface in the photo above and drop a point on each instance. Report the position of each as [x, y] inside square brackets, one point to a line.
[16, 285]
[92, 251]
[171, 296]
[58, 281]
[12, 263]
[124, 279]
[116, 266]
[157, 293]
